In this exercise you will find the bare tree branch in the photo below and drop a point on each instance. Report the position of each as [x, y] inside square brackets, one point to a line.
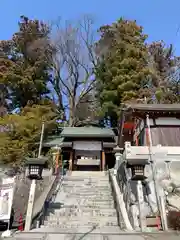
[73, 61]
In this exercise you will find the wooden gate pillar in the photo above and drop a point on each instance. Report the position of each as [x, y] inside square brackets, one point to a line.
[103, 160]
[71, 161]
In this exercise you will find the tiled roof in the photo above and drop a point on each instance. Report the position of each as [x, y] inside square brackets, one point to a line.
[154, 107]
[87, 132]
[53, 141]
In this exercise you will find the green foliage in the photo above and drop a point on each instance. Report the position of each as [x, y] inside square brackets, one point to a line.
[21, 133]
[24, 64]
[123, 66]
[161, 62]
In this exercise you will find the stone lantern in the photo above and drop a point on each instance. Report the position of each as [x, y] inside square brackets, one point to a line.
[137, 166]
[137, 172]
[35, 167]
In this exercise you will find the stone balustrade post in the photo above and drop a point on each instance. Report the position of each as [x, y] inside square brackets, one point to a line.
[119, 159]
[142, 218]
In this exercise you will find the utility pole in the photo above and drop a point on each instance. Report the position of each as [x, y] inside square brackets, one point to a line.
[41, 140]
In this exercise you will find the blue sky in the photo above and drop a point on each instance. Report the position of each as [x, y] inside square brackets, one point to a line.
[160, 18]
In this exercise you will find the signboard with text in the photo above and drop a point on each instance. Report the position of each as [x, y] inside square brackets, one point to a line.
[6, 198]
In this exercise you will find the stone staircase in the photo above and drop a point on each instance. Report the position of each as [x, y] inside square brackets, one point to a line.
[84, 203]
[83, 209]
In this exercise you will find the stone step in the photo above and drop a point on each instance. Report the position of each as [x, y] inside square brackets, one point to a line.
[67, 236]
[80, 199]
[78, 224]
[81, 203]
[89, 182]
[91, 197]
[88, 229]
[95, 201]
[82, 219]
[119, 235]
[82, 185]
[88, 174]
[78, 214]
[91, 189]
[28, 236]
[84, 212]
[90, 206]
[86, 180]
[86, 191]
[86, 177]
[96, 187]
[89, 193]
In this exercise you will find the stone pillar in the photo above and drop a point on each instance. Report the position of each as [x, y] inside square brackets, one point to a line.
[135, 221]
[163, 210]
[29, 213]
[142, 217]
[119, 160]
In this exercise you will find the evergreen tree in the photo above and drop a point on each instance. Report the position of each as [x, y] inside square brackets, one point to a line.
[123, 65]
[25, 64]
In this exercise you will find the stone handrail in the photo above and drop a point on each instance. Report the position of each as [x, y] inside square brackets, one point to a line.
[45, 196]
[161, 153]
[42, 202]
[123, 219]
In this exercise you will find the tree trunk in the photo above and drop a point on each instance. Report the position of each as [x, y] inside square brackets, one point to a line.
[72, 110]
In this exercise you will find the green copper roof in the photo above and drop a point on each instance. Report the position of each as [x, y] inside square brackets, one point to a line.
[87, 132]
